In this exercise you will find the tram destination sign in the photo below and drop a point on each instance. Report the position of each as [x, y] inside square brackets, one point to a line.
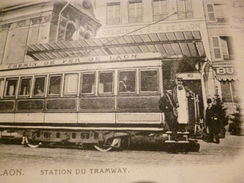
[81, 60]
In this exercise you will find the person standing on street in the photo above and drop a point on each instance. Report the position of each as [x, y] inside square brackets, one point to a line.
[212, 122]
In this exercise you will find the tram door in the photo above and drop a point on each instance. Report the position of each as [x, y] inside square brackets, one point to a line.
[195, 102]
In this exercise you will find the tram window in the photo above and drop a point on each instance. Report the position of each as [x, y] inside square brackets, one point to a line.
[1, 87]
[11, 85]
[25, 85]
[105, 82]
[39, 86]
[54, 85]
[149, 81]
[70, 84]
[127, 81]
[88, 83]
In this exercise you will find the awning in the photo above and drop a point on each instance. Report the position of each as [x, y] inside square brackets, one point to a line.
[168, 44]
[226, 77]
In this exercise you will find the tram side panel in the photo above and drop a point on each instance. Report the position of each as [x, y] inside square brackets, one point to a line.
[134, 110]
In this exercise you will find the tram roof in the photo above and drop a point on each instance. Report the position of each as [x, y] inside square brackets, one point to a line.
[188, 43]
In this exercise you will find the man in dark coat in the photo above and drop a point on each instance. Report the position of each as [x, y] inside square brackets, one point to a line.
[167, 105]
[212, 122]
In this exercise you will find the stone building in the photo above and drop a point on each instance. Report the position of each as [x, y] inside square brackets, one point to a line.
[43, 22]
[193, 34]
[209, 18]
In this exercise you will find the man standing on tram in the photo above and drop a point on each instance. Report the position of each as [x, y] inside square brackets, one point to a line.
[174, 105]
[168, 106]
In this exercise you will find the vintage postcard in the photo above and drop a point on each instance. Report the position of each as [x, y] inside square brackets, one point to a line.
[121, 91]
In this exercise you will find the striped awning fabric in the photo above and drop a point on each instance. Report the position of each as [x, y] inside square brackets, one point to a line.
[168, 44]
[226, 77]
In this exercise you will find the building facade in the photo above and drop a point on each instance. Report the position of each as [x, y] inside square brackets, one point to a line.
[222, 52]
[43, 22]
[196, 30]
[133, 17]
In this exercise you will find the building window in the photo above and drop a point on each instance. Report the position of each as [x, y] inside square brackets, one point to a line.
[105, 85]
[39, 85]
[25, 85]
[70, 84]
[149, 80]
[184, 8]
[216, 13]
[159, 9]
[11, 87]
[54, 85]
[127, 81]
[88, 83]
[229, 91]
[222, 48]
[135, 11]
[113, 13]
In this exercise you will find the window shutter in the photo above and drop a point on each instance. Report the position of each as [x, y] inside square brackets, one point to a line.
[224, 47]
[216, 48]
[113, 13]
[211, 16]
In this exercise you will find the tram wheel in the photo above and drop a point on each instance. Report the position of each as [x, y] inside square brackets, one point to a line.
[102, 148]
[105, 146]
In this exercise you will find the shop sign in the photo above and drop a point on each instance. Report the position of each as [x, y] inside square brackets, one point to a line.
[225, 70]
[157, 28]
[189, 76]
[81, 60]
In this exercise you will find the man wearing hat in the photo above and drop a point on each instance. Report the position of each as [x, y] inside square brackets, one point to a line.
[212, 122]
[167, 105]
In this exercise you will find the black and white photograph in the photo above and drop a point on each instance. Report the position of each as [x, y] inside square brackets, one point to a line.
[121, 91]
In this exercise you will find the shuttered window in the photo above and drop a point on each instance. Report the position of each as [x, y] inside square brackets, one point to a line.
[159, 9]
[135, 11]
[211, 16]
[113, 13]
[229, 91]
[184, 8]
[216, 48]
[222, 48]
[216, 13]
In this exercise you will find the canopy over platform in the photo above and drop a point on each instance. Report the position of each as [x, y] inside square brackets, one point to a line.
[168, 44]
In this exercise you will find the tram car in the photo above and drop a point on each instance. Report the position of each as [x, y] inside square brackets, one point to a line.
[104, 102]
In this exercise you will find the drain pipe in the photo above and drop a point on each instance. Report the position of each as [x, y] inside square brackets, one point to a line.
[204, 97]
[59, 15]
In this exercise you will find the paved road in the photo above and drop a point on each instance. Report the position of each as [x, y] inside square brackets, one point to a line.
[217, 160]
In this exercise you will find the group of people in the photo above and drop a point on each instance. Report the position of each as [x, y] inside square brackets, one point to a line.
[176, 114]
[174, 106]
